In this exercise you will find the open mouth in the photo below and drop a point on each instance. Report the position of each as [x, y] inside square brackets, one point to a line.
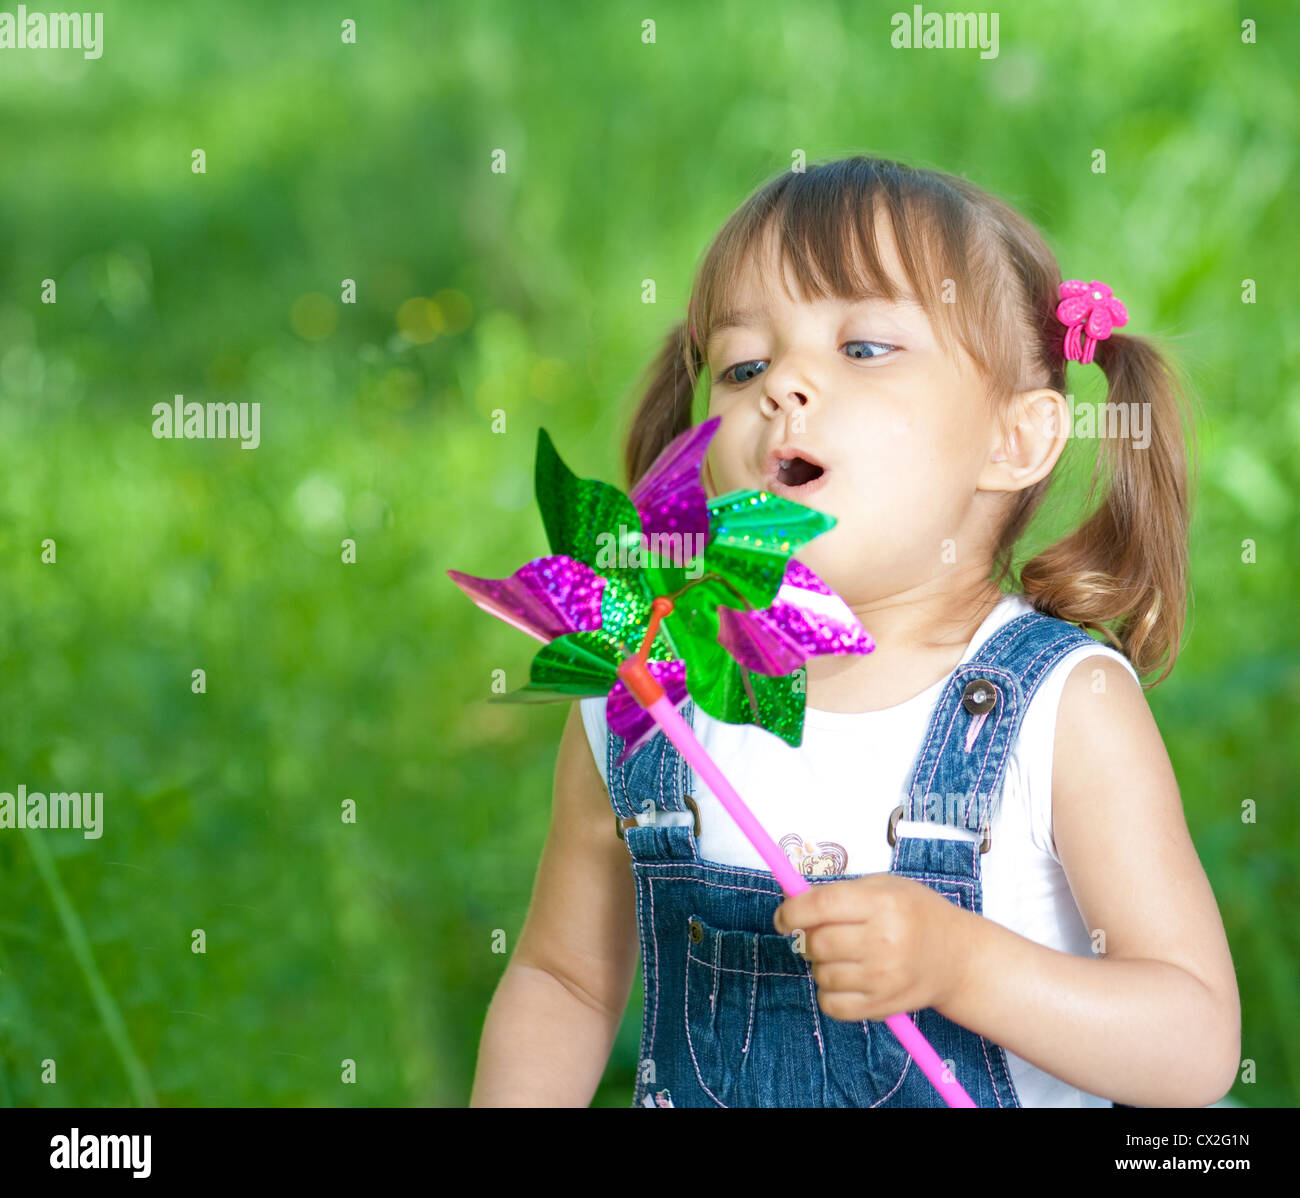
[792, 474]
[797, 471]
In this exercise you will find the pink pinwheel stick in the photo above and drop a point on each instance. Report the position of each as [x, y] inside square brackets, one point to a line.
[643, 687]
[679, 732]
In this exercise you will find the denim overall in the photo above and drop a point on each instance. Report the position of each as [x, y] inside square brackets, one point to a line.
[731, 1015]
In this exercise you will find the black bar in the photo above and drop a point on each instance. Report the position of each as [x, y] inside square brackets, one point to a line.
[365, 1144]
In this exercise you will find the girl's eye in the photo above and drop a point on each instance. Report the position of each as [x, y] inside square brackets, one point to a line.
[739, 366]
[722, 378]
[878, 345]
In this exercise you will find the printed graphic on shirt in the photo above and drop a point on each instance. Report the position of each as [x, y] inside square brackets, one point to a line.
[821, 860]
[662, 1098]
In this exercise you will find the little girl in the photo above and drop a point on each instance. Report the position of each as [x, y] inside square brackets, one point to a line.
[983, 804]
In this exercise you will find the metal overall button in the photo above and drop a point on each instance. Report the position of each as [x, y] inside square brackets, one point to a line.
[979, 697]
[697, 931]
[891, 833]
[632, 821]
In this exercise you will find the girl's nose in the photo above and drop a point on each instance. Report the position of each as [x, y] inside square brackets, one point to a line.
[792, 399]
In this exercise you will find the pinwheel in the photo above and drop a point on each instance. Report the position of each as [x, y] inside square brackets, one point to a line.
[724, 613]
[745, 615]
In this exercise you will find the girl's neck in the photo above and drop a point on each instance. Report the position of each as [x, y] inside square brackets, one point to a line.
[920, 637]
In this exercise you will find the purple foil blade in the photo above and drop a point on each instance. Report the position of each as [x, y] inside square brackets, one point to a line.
[670, 498]
[545, 598]
[805, 619]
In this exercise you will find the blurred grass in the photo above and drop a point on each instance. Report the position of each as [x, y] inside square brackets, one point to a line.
[371, 941]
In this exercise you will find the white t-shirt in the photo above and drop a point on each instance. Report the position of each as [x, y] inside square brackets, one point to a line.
[833, 795]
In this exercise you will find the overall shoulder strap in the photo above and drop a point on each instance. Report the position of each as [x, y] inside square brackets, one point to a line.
[958, 774]
[654, 780]
[655, 776]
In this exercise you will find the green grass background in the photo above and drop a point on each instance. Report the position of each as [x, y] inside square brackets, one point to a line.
[328, 682]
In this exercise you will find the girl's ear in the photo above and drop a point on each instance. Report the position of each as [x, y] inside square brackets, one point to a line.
[1028, 441]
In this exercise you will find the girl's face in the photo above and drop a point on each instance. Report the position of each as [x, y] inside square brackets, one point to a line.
[904, 432]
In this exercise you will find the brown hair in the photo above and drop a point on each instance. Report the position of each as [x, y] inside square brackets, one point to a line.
[1126, 564]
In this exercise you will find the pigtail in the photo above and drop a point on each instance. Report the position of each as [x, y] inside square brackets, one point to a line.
[665, 408]
[1128, 563]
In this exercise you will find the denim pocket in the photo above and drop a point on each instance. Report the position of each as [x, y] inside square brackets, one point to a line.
[758, 1038]
[955, 895]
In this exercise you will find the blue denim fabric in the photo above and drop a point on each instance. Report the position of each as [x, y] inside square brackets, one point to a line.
[731, 1015]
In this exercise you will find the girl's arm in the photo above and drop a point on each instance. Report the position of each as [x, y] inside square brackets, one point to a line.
[1156, 1020]
[552, 1022]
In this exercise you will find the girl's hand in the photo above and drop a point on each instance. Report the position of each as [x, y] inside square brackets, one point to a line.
[878, 945]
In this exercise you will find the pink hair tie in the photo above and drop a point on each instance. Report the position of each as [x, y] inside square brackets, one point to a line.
[1091, 312]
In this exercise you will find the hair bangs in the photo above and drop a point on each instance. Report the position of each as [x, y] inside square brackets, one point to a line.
[824, 225]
